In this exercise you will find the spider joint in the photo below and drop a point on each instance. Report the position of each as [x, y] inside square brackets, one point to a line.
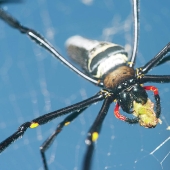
[106, 93]
[139, 73]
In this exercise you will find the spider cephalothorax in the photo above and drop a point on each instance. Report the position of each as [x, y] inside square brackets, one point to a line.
[133, 93]
[124, 83]
[119, 78]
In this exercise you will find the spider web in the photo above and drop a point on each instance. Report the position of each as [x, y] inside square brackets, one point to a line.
[34, 83]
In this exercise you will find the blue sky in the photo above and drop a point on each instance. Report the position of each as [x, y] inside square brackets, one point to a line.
[34, 83]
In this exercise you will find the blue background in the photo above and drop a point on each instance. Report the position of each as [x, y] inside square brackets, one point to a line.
[32, 83]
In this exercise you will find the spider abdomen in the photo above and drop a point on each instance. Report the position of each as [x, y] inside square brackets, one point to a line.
[97, 58]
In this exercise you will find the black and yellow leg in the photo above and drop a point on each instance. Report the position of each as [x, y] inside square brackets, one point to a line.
[59, 128]
[48, 117]
[94, 131]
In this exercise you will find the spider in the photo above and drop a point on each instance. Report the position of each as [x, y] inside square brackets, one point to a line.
[105, 65]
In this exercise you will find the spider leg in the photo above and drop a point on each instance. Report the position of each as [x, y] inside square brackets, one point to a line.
[42, 42]
[136, 32]
[94, 133]
[157, 98]
[9, 1]
[48, 117]
[164, 60]
[123, 118]
[155, 79]
[47, 143]
[153, 62]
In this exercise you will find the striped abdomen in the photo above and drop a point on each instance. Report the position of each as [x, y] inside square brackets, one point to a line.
[97, 58]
